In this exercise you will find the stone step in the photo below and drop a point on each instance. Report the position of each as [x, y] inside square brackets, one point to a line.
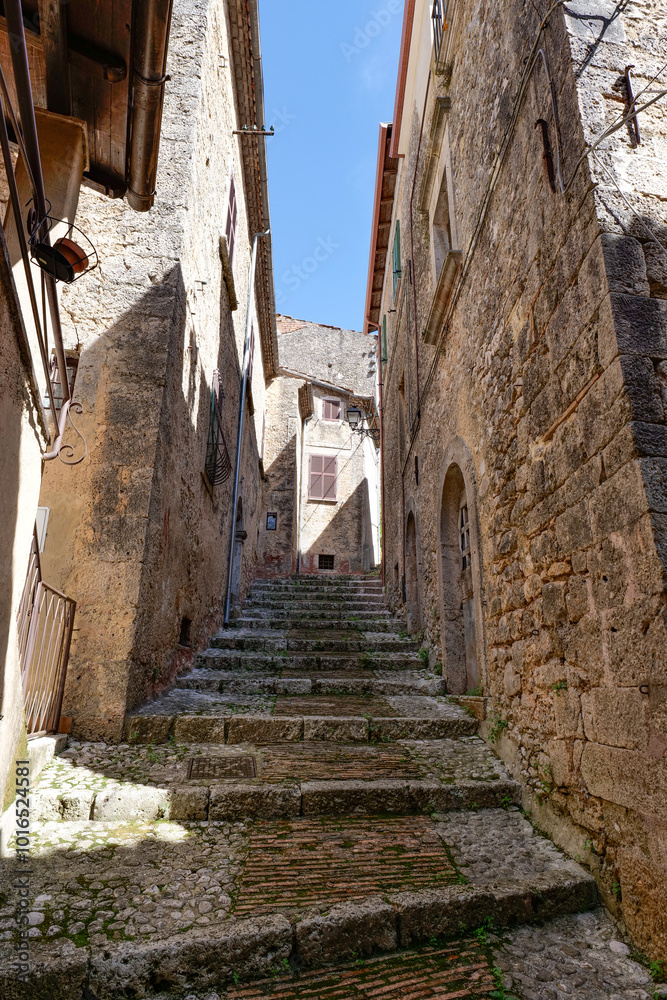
[310, 592]
[164, 906]
[250, 727]
[230, 682]
[103, 783]
[386, 624]
[288, 604]
[231, 659]
[308, 613]
[305, 641]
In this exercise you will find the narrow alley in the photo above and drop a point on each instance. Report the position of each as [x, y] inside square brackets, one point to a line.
[333, 640]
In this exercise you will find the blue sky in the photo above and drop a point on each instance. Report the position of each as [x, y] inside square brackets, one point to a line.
[329, 77]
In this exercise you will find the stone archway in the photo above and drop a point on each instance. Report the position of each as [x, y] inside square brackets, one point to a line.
[412, 575]
[461, 625]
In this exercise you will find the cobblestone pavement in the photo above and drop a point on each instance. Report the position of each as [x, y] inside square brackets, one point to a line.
[349, 835]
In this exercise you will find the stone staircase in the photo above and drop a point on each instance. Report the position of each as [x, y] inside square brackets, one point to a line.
[306, 798]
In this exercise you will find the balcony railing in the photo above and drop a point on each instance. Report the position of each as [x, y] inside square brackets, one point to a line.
[45, 623]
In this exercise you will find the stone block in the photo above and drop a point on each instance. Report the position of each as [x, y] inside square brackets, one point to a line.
[364, 798]
[335, 730]
[641, 325]
[619, 501]
[147, 728]
[188, 803]
[244, 801]
[577, 600]
[131, 803]
[567, 714]
[264, 729]
[625, 264]
[348, 930]
[199, 728]
[627, 778]
[573, 529]
[617, 717]
[383, 730]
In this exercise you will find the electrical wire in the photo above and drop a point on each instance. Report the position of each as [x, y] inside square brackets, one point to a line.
[641, 221]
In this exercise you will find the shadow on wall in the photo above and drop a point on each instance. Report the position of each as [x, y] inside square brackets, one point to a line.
[141, 544]
[347, 536]
[277, 549]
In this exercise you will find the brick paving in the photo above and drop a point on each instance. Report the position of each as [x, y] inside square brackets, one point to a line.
[336, 705]
[305, 862]
[324, 762]
[430, 974]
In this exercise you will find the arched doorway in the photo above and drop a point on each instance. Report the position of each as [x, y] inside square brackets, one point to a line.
[459, 626]
[411, 575]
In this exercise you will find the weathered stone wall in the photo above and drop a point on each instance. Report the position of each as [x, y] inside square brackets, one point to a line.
[139, 541]
[23, 439]
[545, 389]
[277, 549]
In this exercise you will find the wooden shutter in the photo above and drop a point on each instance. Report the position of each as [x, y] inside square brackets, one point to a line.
[322, 478]
[330, 409]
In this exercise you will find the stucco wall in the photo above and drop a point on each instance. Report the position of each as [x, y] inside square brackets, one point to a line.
[546, 389]
[23, 439]
[140, 542]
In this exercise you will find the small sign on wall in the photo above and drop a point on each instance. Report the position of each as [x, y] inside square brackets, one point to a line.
[271, 521]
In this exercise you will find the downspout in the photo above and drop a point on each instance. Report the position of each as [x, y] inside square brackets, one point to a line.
[300, 497]
[239, 441]
[263, 172]
[412, 244]
[150, 39]
[381, 410]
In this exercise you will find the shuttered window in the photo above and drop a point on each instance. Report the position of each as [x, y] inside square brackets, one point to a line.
[232, 219]
[323, 475]
[331, 409]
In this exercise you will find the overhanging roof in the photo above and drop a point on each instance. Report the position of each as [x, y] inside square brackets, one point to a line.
[383, 207]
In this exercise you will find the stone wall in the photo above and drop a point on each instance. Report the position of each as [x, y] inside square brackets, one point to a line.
[277, 554]
[541, 406]
[136, 536]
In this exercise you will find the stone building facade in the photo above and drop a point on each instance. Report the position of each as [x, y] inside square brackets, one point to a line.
[140, 539]
[321, 488]
[519, 283]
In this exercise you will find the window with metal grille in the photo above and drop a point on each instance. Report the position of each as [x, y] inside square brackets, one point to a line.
[464, 537]
[72, 364]
[218, 466]
[396, 256]
[232, 219]
[323, 476]
[325, 562]
[331, 409]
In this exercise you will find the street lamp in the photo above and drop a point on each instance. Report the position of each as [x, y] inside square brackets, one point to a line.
[354, 418]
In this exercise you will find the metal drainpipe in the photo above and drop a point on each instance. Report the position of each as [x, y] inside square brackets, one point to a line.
[239, 442]
[300, 498]
[14, 17]
[381, 409]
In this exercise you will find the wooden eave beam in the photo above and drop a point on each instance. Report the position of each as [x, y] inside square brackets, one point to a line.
[53, 35]
[85, 55]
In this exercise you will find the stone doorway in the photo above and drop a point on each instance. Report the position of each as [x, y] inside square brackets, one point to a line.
[412, 576]
[459, 626]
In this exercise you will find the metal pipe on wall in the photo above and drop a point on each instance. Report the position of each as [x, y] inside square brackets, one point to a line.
[239, 440]
[150, 40]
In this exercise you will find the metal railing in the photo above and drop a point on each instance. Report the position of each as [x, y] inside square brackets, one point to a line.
[438, 18]
[45, 624]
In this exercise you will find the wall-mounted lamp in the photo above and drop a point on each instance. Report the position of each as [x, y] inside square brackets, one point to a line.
[354, 419]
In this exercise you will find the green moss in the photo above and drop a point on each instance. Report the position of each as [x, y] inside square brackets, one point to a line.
[20, 753]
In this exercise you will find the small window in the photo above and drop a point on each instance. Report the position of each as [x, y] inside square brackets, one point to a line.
[396, 256]
[416, 470]
[464, 537]
[218, 465]
[232, 220]
[325, 562]
[72, 364]
[331, 409]
[185, 638]
[323, 476]
[272, 521]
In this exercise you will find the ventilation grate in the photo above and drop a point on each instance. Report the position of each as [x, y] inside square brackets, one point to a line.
[239, 766]
[326, 562]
